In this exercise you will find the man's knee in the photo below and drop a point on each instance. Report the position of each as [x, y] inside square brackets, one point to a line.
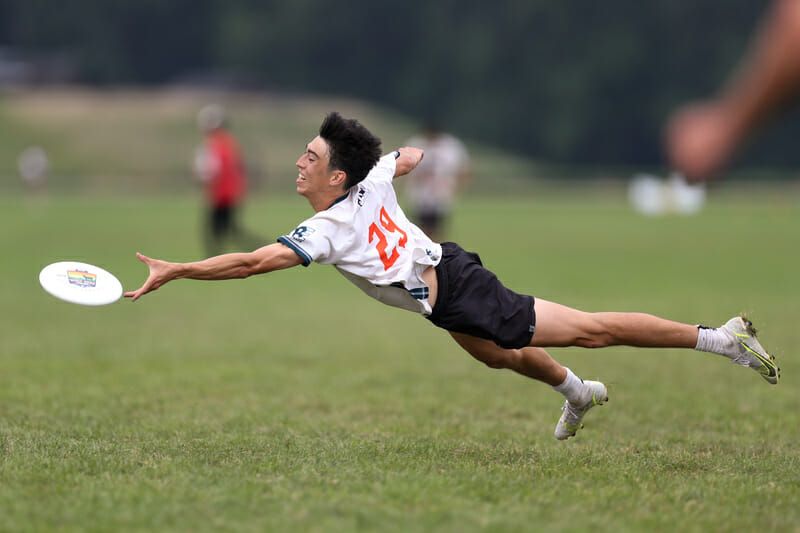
[597, 331]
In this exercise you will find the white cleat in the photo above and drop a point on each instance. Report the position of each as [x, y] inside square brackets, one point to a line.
[572, 416]
[747, 351]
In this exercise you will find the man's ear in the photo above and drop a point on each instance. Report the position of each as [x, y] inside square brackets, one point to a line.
[338, 178]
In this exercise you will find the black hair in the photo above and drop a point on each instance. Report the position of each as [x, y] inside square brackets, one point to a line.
[352, 148]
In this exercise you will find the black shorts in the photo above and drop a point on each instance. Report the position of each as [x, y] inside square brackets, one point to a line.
[472, 300]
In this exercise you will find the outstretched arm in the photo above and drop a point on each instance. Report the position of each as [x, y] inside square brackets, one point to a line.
[227, 266]
[702, 138]
[408, 159]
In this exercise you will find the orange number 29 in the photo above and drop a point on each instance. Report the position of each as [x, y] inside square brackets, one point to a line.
[374, 231]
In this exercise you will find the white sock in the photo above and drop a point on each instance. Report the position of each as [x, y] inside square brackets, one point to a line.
[713, 340]
[573, 389]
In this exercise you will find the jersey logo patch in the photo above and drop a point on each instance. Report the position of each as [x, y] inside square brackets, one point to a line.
[301, 232]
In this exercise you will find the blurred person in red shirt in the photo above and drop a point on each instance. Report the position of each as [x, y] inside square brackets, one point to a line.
[220, 165]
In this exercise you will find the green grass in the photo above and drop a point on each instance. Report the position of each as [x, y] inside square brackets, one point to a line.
[292, 402]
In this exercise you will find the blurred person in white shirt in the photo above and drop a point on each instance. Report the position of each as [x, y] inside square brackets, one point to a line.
[440, 176]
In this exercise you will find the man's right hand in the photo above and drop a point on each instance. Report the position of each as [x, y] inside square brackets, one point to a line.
[160, 273]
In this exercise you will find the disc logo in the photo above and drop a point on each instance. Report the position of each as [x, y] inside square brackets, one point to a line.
[81, 278]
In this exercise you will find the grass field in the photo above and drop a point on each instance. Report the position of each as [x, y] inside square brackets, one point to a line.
[292, 402]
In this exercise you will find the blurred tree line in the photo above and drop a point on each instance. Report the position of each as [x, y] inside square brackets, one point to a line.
[580, 82]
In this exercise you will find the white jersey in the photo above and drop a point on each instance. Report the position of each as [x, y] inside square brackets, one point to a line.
[369, 240]
[433, 184]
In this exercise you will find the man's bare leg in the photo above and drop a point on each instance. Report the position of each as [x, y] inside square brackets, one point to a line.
[532, 362]
[559, 325]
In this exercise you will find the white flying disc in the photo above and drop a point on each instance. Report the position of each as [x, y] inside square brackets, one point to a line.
[80, 283]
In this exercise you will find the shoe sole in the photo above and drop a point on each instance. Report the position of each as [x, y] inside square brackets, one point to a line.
[768, 369]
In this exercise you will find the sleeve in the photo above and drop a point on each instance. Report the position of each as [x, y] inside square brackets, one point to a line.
[384, 169]
[310, 240]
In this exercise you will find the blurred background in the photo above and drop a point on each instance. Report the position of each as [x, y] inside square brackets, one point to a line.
[538, 90]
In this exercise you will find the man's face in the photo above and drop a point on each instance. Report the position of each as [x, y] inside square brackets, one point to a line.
[314, 176]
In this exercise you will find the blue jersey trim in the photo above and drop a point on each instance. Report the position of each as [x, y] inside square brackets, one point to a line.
[296, 249]
[340, 199]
